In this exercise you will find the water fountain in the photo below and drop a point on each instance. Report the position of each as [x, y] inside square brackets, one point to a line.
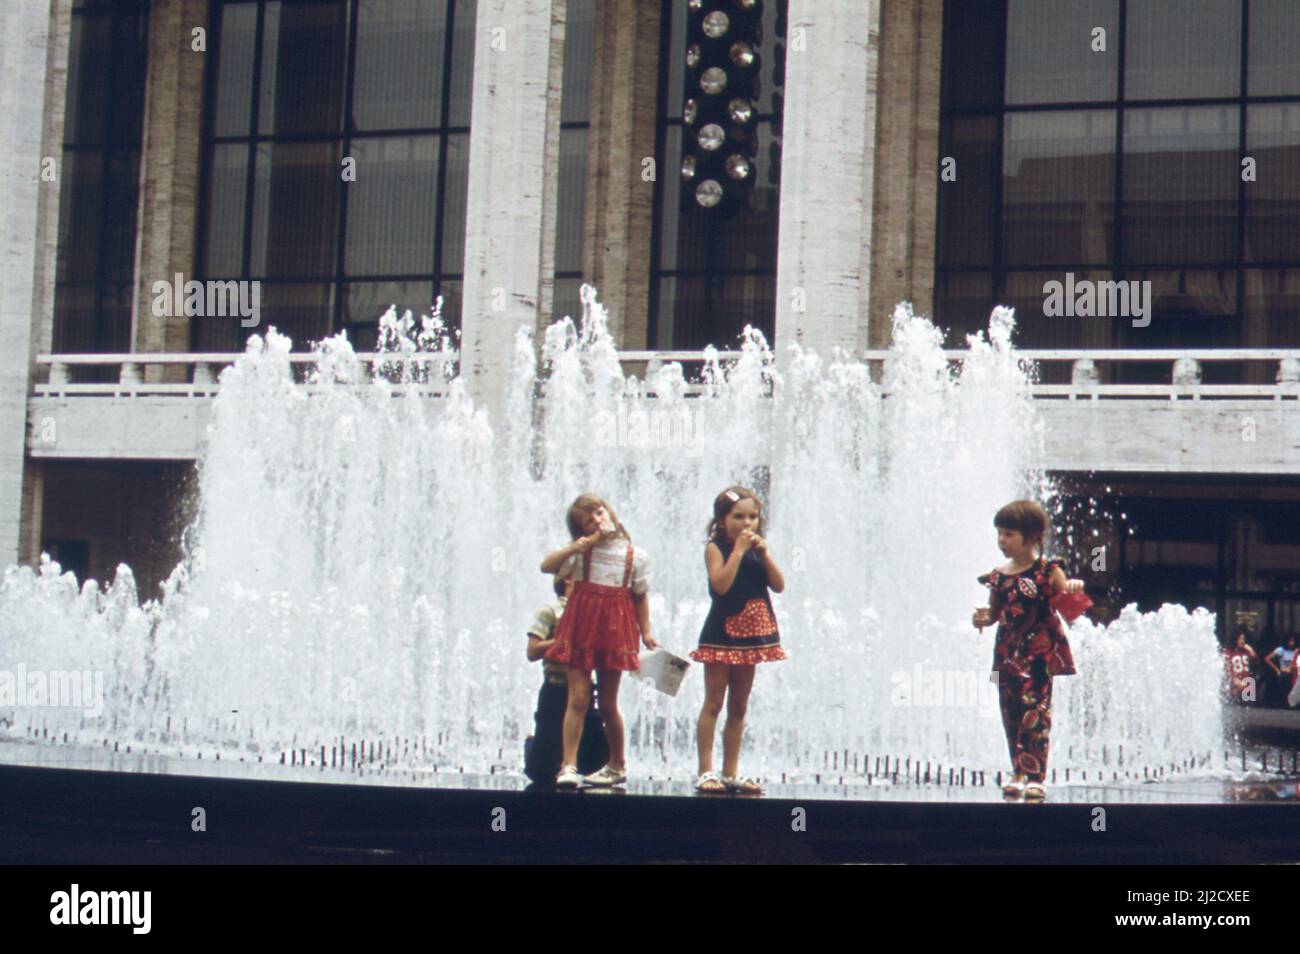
[364, 565]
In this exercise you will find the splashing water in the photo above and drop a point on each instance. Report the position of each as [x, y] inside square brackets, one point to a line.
[365, 561]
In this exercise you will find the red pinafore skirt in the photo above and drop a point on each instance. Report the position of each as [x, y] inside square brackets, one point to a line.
[598, 628]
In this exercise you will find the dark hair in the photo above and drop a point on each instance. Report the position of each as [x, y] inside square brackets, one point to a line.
[559, 584]
[1025, 516]
[590, 503]
[722, 505]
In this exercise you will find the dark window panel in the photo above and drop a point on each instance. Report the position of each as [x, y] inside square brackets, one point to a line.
[968, 203]
[1273, 199]
[1272, 305]
[1024, 291]
[295, 209]
[400, 50]
[1189, 309]
[973, 43]
[227, 188]
[90, 59]
[81, 209]
[748, 240]
[567, 301]
[126, 94]
[77, 309]
[1180, 185]
[364, 303]
[455, 196]
[963, 302]
[304, 61]
[120, 217]
[392, 206]
[303, 311]
[1274, 42]
[453, 297]
[571, 205]
[1181, 49]
[682, 318]
[462, 63]
[683, 233]
[579, 52]
[1058, 192]
[737, 301]
[675, 20]
[1050, 55]
[234, 86]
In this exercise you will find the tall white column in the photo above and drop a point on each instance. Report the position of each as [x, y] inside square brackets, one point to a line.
[513, 122]
[33, 84]
[827, 171]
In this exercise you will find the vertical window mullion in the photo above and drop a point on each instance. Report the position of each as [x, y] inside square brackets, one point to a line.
[444, 123]
[254, 119]
[345, 150]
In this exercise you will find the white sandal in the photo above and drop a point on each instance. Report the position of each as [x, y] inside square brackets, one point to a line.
[742, 786]
[710, 783]
[1014, 788]
[1035, 792]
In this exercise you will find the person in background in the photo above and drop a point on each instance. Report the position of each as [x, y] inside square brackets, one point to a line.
[544, 749]
[1282, 661]
[1239, 661]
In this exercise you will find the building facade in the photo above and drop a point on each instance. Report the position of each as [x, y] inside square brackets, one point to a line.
[352, 154]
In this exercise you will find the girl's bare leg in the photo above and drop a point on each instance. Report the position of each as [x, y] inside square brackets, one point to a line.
[607, 700]
[715, 692]
[575, 713]
[740, 681]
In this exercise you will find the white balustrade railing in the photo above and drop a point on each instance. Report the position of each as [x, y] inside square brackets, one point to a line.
[1279, 369]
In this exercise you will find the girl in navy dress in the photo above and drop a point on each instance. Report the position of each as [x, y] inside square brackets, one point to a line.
[739, 632]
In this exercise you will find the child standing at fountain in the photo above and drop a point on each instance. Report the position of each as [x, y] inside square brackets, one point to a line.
[739, 632]
[1031, 646]
[544, 751]
[606, 615]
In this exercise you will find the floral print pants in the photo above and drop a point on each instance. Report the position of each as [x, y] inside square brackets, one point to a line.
[1027, 719]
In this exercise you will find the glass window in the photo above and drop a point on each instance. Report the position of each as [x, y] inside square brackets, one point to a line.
[575, 105]
[714, 271]
[304, 65]
[1272, 305]
[1273, 198]
[100, 180]
[323, 87]
[1274, 40]
[1189, 309]
[962, 304]
[401, 49]
[1027, 293]
[393, 206]
[1058, 190]
[1181, 49]
[972, 64]
[1180, 185]
[968, 203]
[1051, 55]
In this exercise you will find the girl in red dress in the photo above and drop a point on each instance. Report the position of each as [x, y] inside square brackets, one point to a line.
[1031, 646]
[739, 632]
[607, 615]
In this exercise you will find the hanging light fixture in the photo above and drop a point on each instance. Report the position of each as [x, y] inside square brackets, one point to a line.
[722, 83]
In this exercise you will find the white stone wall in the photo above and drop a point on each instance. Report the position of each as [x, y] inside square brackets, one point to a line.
[33, 71]
[827, 174]
[513, 125]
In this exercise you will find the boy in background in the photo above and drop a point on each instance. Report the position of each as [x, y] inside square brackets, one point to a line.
[544, 750]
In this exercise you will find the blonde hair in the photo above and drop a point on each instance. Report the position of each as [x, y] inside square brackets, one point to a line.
[588, 504]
